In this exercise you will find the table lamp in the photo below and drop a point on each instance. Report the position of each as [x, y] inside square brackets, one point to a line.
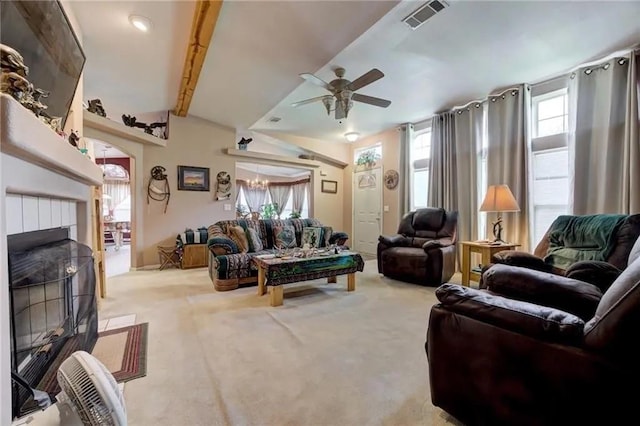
[499, 199]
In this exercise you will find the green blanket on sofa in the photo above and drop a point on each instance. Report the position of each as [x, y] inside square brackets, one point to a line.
[576, 238]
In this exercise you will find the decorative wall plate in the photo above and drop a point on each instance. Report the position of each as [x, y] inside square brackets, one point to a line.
[391, 178]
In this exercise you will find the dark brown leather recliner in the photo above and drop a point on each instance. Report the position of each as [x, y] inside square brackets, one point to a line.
[536, 349]
[570, 238]
[424, 250]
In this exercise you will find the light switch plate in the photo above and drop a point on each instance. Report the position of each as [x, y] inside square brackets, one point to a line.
[227, 207]
[386, 208]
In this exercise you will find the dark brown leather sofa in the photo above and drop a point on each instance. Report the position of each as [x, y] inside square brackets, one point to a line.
[424, 250]
[536, 349]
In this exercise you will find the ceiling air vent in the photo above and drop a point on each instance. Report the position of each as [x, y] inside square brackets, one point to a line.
[274, 119]
[424, 12]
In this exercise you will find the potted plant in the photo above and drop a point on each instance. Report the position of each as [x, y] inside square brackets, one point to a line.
[368, 158]
[241, 211]
[269, 211]
[295, 215]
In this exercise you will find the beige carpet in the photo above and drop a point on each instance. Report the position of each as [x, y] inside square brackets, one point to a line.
[327, 357]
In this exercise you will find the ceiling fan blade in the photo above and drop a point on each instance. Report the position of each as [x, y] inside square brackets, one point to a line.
[370, 100]
[365, 79]
[307, 101]
[317, 81]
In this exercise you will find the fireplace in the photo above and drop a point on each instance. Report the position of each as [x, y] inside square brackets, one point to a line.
[53, 308]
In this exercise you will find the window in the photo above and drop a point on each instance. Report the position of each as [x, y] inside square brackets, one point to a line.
[549, 161]
[550, 114]
[377, 151]
[288, 209]
[420, 158]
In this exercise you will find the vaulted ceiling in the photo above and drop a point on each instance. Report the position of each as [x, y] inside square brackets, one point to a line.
[259, 48]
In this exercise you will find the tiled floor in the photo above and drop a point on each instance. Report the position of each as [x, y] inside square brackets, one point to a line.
[117, 261]
[117, 322]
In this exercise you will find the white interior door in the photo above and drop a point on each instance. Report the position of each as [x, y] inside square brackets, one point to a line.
[367, 205]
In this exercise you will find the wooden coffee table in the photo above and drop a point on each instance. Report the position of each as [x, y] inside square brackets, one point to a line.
[277, 271]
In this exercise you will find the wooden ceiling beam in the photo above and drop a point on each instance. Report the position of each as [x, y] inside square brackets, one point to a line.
[205, 18]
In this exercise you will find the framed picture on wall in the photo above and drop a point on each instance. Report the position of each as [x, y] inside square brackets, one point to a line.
[193, 178]
[330, 186]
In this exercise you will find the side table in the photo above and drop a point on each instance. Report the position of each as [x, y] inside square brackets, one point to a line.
[486, 250]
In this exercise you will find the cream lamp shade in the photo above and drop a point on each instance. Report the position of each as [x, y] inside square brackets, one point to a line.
[499, 199]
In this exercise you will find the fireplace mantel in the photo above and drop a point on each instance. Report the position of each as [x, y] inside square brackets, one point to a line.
[24, 136]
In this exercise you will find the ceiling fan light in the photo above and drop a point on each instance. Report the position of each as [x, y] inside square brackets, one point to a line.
[352, 136]
[328, 103]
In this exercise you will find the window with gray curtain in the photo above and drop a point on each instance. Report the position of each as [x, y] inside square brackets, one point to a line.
[549, 156]
[420, 160]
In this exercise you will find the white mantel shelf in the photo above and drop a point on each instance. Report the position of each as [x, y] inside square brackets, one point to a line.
[255, 155]
[24, 136]
[112, 127]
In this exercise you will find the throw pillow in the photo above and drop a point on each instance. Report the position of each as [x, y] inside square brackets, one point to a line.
[237, 234]
[312, 235]
[284, 236]
[255, 242]
[327, 231]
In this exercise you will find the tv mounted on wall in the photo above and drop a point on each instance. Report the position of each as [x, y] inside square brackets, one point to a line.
[40, 31]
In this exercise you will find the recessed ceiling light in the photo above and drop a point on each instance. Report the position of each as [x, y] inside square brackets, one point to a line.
[352, 136]
[140, 22]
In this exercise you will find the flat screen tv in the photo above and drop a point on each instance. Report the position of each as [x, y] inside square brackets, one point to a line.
[40, 31]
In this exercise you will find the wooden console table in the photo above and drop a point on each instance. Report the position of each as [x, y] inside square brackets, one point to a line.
[486, 250]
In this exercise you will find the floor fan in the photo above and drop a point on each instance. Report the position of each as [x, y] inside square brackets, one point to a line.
[89, 393]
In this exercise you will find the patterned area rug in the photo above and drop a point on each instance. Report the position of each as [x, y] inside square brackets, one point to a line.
[122, 350]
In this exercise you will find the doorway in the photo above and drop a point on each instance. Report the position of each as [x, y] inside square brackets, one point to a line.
[116, 207]
[367, 207]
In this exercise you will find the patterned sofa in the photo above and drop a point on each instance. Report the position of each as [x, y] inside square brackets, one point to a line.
[229, 267]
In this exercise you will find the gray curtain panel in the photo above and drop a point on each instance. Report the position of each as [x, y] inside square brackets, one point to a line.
[469, 128]
[255, 198]
[280, 196]
[298, 196]
[507, 157]
[453, 176]
[442, 171]
[406, 135]
[604, 142]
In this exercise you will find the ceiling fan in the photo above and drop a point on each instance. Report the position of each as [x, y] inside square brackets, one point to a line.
[343, 92]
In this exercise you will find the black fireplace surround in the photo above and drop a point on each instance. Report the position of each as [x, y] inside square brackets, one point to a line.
[53, 305]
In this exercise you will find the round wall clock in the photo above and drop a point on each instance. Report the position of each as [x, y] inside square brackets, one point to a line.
[391, 178]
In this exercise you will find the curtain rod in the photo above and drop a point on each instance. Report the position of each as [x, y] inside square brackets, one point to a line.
[239, 182]
[481, 101]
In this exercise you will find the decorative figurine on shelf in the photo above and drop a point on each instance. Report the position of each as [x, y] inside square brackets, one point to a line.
[95, 106]
[242, 145]
[132, 121]
[12, 61]
[223, 190]
[14, 83]
[74, 138]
